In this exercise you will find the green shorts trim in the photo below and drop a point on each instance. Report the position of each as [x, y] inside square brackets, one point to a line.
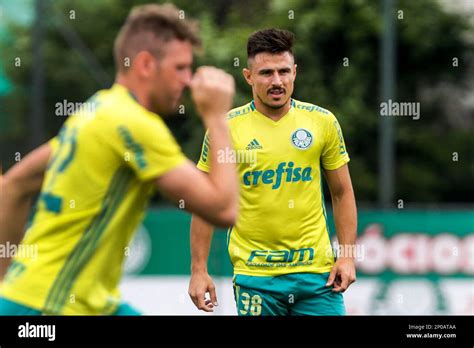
[8, 307]
[289, 294]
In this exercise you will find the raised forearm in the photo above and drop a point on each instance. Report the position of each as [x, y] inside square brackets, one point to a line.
[223, 174]
[201, 237]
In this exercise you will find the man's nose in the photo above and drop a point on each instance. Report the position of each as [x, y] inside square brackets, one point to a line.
[276, 80]
[187, 78]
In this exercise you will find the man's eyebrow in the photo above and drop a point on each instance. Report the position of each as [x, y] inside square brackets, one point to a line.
[269, 70]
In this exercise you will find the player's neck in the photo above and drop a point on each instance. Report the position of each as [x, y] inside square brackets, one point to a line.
[274, 114]
[134, 89]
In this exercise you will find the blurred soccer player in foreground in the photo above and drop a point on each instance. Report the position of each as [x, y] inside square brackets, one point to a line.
[97, 175]
[280, 246]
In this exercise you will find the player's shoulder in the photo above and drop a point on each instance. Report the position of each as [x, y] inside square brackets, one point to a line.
[311, 110]
[239, 113]
[118, 106]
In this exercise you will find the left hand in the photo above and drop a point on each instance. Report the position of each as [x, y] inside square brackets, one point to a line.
[342, 274]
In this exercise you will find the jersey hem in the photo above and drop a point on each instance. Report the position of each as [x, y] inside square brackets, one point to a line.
[20, 300]
[271, 274]
[33, 304]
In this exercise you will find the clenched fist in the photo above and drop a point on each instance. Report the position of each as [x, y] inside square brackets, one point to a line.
[212, 91]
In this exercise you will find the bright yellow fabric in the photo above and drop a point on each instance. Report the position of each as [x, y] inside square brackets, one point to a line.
[93, 197]
[282, 226]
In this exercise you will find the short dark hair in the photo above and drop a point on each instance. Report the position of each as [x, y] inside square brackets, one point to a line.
[270, 40]
[147, 23]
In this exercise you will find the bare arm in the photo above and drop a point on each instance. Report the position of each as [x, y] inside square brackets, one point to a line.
[201, 283]
[188, 185]
[213, 197]
[17, 189]
[344, 205]
[201, 238]
[345, 218]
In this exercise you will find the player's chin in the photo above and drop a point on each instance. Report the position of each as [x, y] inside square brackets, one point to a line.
[277, 102]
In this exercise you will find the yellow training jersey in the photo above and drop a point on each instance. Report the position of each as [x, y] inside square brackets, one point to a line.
[94, 195]
[282, 225]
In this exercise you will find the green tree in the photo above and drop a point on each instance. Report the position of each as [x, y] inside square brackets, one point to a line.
[337, 52]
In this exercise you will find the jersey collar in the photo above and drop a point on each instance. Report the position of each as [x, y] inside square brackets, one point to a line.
[268, 119]
[123, 89]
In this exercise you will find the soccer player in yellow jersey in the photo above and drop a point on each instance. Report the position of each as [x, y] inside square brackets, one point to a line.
[97, 175]
[280, 246]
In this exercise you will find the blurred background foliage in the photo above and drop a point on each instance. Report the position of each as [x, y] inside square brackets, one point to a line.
[429, 37]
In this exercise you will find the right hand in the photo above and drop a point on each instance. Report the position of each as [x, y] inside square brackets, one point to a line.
[200, 284]
[212, 91]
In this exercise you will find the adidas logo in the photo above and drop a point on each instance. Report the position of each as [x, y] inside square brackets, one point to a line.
[254, 145]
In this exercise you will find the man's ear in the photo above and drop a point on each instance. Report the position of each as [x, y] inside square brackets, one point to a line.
[248, 76]
[144, 63]
[294, 74]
